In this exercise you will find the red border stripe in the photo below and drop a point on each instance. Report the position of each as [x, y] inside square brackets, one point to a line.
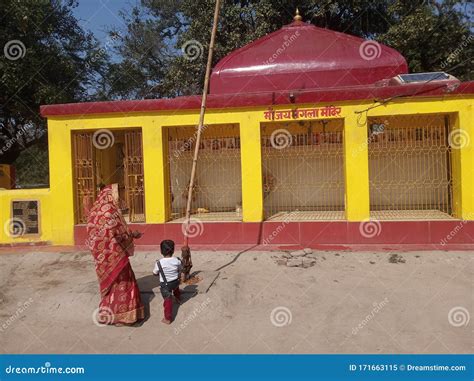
[220, 101]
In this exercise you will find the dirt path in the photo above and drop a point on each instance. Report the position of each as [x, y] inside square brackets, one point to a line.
[345, 303]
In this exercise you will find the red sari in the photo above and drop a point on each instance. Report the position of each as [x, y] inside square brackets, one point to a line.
[111, 243]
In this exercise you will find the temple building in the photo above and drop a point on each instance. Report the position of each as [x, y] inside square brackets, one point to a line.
[312, 137]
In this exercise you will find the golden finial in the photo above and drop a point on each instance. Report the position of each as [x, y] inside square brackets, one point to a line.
[297, 16]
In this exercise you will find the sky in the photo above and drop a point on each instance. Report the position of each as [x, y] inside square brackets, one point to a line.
[100, 15]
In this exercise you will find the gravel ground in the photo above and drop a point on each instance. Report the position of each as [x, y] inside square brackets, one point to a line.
[347, 302]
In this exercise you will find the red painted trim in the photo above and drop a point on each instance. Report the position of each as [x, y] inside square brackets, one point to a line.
[341, 235]
[220, 101]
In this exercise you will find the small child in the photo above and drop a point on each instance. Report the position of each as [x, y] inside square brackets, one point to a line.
[169, 278]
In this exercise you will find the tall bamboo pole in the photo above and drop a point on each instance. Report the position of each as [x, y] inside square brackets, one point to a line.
[186, 252]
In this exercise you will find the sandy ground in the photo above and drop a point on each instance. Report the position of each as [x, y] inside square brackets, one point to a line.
[346, 303]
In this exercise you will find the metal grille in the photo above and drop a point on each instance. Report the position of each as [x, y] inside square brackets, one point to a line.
[133, 176]
[217, 192]
[410, 166]
[303, 169]
[84, 175]
[120, 162]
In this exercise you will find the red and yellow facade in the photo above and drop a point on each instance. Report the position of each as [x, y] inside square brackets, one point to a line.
[57, 216]
[412, 180]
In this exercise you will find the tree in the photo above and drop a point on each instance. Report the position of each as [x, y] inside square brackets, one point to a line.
[47, 58]
[153, 63]
[433, 37]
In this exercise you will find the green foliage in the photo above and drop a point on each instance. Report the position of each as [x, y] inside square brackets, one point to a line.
[58, 62]
[427, 33]
[62, 63]
[433, 37]
[32, 166]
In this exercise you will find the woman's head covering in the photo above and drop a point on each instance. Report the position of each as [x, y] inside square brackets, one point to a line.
[106, 195]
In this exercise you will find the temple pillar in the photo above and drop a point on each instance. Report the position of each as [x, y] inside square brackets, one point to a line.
[461, 140]
[356, 169]
[251, 167]
[155, 167]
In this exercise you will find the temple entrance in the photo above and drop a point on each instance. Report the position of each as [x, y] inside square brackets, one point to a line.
[217, 193]
[410, 167]
[106, 157]
[303, 170]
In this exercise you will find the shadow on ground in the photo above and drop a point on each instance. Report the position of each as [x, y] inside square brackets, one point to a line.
[149, 286]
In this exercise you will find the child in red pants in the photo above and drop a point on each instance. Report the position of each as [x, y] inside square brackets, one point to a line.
[168, 268]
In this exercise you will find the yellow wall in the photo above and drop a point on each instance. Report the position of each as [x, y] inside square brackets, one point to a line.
[356, 168]
[45, 206]
[57, 203]
[462, 137]
[251, 167]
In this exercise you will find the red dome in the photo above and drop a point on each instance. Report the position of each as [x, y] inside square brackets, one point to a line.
[303, 56]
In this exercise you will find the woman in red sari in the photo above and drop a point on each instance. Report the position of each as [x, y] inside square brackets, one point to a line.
[111, 243]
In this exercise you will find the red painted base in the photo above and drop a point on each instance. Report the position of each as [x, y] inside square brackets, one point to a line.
[442, 235]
